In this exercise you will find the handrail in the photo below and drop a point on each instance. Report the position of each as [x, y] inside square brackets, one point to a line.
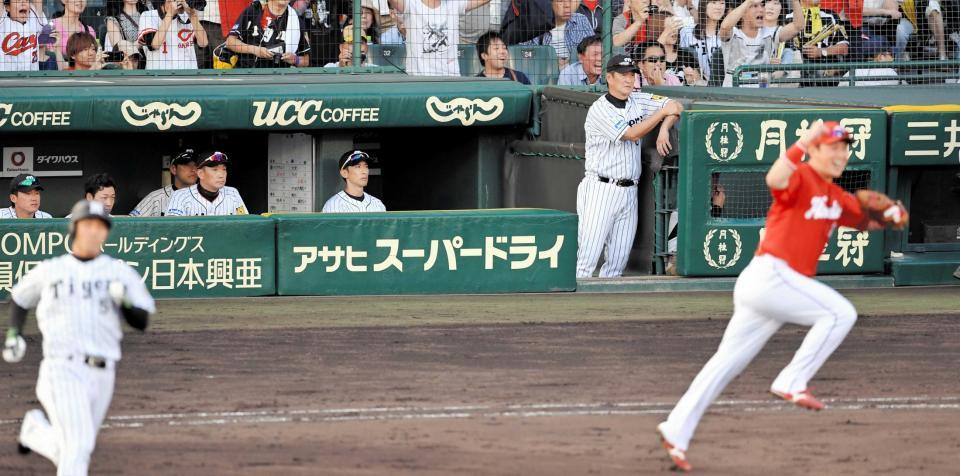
[851, 67]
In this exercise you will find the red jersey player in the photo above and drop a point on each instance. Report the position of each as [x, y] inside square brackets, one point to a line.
[777, 287]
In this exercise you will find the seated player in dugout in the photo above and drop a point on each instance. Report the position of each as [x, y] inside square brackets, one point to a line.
[210, 196]
[24, 198]
[355, 170]
[100, 188]
[183, 174]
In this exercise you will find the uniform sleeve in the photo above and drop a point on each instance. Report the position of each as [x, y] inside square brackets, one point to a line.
[686, 37]
[605, 123]
[240, 28]
[149, 24]
[853, 215]
[28, 290]
[141, 208]
[241, 208]
[137, 292]
[789, 194]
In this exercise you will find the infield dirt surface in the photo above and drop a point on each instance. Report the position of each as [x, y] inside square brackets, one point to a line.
[520, 384]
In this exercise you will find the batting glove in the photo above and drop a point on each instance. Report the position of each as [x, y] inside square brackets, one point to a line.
[14, 347]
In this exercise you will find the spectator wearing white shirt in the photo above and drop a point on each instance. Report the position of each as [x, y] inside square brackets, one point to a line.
[878, 52]
[169, 35]
[433, 31]
[750, 43]
[22, 23]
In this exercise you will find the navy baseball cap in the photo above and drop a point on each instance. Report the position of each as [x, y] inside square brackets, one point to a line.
[621, 64]
[354, 157]
[185, 157]
[215, 159]
[24, 183]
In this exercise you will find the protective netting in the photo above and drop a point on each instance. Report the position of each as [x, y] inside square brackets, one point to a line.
[746, 195]
[673, 42]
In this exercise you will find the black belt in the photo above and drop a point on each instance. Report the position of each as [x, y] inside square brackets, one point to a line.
[617, 182]
[96, 362]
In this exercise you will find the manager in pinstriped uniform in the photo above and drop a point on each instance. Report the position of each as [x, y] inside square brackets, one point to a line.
[607, 196]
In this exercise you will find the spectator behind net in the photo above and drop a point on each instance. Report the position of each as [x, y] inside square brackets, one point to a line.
[570, 30]
[25, 21]
[824, 40]
[270, 36]
[680, 64]
[82, 53]
[588, 70]
[877, 52]
[345, 57]
[653, 67]
[750, 43]
[493, 57]
[433, 30]
[169, 34]
[705, 41]
[123, 25]
[67, 22]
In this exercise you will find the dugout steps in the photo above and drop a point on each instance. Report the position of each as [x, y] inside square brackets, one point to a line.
[924, 269]
[654, 284]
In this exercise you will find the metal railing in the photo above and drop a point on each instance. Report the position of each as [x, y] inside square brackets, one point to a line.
[930, 71]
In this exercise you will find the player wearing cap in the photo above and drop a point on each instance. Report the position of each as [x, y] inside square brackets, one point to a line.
[607, 196]
[25, 198]
[210, 195]
[183, 174]
[80, 298]
[355, 170]
[778, 287]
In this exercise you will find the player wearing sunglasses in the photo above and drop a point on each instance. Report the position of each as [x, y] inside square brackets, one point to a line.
[210, 195]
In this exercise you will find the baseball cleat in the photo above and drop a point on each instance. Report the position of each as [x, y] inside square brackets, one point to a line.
[677, 456]
[22, 449]
[802, 399]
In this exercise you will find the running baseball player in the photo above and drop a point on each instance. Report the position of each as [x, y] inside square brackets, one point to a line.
[355, 170]
[183, 174]
[80, 298]
[24, 198]
[607, 196]
[210, 195]
[778, 287]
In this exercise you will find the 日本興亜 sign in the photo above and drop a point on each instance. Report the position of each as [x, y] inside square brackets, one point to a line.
[176, 257]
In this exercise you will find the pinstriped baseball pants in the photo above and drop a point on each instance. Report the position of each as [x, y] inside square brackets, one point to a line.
[75, 397]
[767, 295]
[607, 223]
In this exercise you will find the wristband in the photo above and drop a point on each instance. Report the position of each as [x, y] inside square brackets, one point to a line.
[296, 60]
[795, 153]
[12, 333]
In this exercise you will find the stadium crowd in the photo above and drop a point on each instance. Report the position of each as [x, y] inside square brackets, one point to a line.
[674, 42]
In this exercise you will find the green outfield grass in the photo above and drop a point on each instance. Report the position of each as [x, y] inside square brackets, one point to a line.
[292, 312]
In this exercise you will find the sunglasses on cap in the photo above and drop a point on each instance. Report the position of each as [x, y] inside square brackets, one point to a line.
[356, 156]
[216, 159]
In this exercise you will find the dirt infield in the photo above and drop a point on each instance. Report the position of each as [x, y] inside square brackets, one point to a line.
[519, 387]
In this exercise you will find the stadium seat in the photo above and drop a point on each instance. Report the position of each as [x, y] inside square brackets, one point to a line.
[387, 55]
[540, 63]
[469, 61]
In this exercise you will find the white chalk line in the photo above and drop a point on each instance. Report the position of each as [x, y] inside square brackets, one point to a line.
[517, 410]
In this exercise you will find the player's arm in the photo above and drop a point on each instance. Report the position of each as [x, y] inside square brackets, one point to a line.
[132, 298]
[642, 128]
[778, 178]
[23, 296]
[663, 139]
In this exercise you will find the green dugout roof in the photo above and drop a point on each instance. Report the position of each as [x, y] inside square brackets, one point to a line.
[251, 100]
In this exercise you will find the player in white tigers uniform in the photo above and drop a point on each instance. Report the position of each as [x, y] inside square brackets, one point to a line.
[183, 174]
[355, 170]
[19, 34]
[209, 196]
[607, 195]
[80, 298]
[25, 196]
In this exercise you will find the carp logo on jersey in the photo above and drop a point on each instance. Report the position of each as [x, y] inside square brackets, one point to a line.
[820, 211]
[186, 38]
[14, 44]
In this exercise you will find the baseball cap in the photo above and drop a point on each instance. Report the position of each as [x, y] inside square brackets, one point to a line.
[834, 133]
[24, 183]
[88, 209]
[215, 159]
[621, 64]
[354, 157]
[185, 157]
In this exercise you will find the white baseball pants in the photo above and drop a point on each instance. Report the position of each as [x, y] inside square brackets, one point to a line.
[607, 222]
[768, 294]
[76, 397]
